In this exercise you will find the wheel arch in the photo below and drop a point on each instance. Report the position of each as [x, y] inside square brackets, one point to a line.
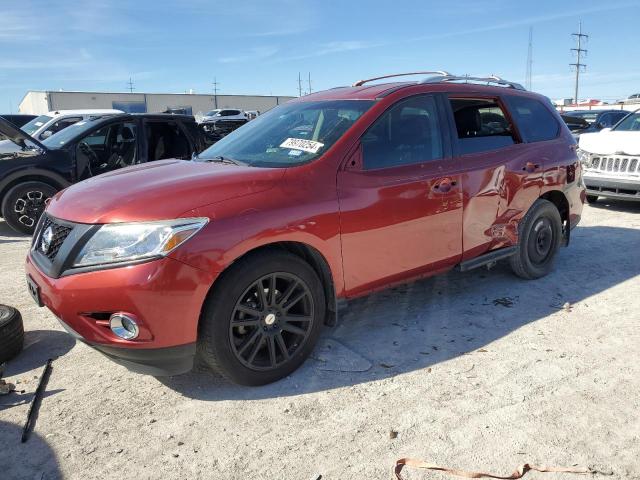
[33, 175]
[559, 199]
[310, 255]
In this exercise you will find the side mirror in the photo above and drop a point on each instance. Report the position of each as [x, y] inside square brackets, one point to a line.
[46, 134]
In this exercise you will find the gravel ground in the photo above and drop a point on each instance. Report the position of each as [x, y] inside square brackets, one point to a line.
[476, 370]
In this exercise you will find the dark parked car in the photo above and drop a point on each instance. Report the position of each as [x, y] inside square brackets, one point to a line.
[18, 119]
[597, 119]
[88, 148]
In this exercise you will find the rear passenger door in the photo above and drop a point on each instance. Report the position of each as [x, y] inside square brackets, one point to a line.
[400, 199]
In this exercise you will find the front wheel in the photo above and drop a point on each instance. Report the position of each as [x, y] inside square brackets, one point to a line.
[592, 198]
[263, 319]
[24, 203]
[540, 233]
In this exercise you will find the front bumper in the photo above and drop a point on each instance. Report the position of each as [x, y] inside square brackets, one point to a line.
[611, 187]
[165, 296]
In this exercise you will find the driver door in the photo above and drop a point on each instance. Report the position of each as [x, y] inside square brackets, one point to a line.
[400, 199]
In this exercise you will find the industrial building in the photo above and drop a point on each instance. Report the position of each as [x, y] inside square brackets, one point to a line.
[38, 102]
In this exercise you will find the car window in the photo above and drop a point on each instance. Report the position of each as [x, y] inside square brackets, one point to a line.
[166, 140]
[616, 117]
[481, 125]
[33, 125]
[535, 122]
[109, 148]
[59, 125]
[631, 123]
[408, 133]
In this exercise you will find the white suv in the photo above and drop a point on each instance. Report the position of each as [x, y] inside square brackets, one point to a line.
[50, 123]
[611, 160]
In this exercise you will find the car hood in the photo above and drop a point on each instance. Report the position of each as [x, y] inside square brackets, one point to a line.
[9, 131]
[160, 190]
[610, 143]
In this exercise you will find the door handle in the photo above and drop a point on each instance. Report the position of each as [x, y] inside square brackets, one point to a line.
[530, 167]
[444, 185]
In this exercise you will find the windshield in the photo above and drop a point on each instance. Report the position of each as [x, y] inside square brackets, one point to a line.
[211, 113]
[630, 123]
[291, 134]
[32, 126]
[63, 137]
[589, 116]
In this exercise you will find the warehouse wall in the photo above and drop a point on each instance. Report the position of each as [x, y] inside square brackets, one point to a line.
[155, 102]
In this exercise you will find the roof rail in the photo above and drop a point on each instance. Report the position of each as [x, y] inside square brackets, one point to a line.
[490, 79]
[359, 83]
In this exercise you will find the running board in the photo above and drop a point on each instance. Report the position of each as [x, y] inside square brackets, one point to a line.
[487, 258]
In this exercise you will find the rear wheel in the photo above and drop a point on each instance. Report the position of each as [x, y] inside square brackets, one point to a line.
[540, 233]
[263, 319]
[24, 203]
[592, 198]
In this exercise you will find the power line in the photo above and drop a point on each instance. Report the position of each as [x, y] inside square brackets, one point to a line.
[579, 53]
[529, 73]
[130, 83]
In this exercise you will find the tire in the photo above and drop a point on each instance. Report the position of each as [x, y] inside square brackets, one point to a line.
[24, 203]
[258, 322]
[11, 333]
[592, 198]
[540, 234]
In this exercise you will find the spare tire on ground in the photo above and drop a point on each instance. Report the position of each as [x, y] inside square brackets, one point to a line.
[11, 333]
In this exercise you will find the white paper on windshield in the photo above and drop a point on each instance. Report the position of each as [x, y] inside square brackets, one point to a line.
[302, 144]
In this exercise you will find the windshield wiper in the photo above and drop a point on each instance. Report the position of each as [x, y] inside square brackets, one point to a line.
[227, 160]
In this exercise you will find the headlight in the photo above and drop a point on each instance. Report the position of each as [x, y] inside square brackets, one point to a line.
[584, 157]
[126, 242]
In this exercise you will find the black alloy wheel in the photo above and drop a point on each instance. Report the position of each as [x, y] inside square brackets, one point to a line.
[271, 320]
[262, 318]
[23, 205]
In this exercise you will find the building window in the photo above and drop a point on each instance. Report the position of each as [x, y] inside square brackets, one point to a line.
[130, 107]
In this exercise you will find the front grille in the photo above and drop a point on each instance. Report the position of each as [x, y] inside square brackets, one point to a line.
[615, 164]
[60, 234]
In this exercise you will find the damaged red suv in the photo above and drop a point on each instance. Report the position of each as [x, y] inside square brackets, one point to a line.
[242, 255]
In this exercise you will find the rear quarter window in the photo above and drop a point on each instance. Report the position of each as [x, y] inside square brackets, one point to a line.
[535, 122]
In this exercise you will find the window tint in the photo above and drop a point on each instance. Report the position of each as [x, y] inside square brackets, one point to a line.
[130, 107]
[481, 125]
[166, 140]
[408, 133]
[535, 122]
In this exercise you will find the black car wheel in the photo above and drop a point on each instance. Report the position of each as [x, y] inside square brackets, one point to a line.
[592, 198]
[263, 318]
[540, 233]
[23, 205]
[11, 333]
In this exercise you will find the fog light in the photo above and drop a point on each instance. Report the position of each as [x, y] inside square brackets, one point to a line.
[124, 326]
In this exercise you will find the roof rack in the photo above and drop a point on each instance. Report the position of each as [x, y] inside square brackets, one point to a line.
[441, 73]
[490, 79]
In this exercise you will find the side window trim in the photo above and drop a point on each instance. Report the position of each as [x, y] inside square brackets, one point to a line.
[445, 141]
[506, 105]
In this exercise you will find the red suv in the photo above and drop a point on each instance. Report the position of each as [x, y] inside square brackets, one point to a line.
[243, 254]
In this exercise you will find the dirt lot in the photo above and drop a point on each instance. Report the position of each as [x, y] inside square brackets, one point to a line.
[477, 370]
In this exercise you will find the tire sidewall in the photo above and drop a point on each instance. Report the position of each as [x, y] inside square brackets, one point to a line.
[217, 314]
[542, 209]
[8, 212]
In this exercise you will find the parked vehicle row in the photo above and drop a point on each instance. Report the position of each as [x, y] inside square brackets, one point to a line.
[218, 123]
[590, 121]
[244, 253]
[611, 160]
[37, 168]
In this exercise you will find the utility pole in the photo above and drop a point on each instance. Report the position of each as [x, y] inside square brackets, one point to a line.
[215, 91]
[529, 73]
[309, 82]
[299, 85]
[130, 83]
[579, 54]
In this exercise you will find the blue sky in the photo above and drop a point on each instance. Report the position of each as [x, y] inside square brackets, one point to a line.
[258, 47]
